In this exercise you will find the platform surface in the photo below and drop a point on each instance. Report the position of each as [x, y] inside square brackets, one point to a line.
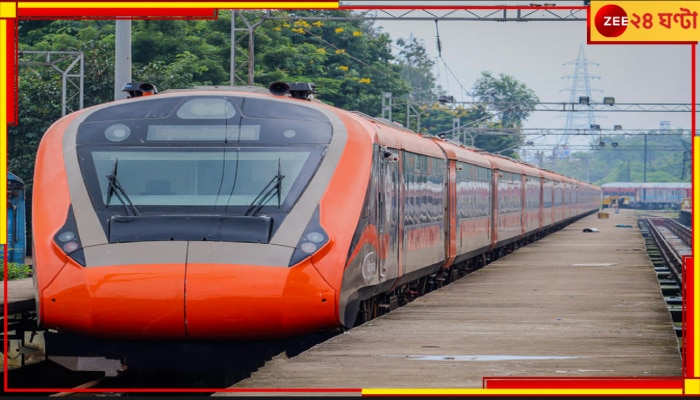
[20, 295]
[574, 304]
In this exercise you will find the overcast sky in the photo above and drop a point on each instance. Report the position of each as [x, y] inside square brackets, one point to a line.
[542, 55]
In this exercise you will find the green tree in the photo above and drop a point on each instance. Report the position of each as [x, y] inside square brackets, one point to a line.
[439, 119]
[39, 86]
[347, 58]
[667, 158]
[163, 50]
[417, 70]
[513, 101]
[663, 156]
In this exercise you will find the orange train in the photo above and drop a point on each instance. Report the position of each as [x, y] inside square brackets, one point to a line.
[238, 213]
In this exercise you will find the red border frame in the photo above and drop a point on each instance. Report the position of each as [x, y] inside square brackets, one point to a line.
[488, 382]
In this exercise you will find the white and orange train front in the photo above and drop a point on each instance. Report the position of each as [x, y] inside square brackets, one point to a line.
[196, 215]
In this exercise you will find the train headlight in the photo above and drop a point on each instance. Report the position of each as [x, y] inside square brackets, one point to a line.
[67, 242]
[70, 247]
[206, 108]
[308, 247]
[67, 239]
[117, 133]
[313, 238]
[66, 236]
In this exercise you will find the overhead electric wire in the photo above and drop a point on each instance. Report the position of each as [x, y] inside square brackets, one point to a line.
[444, 63]
[380, 72]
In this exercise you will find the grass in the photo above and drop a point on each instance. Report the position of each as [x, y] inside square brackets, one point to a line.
[17, 271]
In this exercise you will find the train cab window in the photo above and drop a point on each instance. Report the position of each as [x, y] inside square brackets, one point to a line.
[172, 179]
[158, 187]
[209, 155]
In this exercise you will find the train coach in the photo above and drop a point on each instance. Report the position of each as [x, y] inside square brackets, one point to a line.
[648, 195]
[238, 213]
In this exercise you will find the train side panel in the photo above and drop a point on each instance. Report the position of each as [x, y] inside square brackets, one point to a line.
[532, 218]
[508, 196]
[372, 263]
[474, 205]
[559, 205]
[51, 202]
[548, 184]
[470, 202]
[424, 217]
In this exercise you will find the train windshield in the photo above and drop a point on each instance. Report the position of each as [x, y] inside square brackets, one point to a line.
[216, 179]
[189, 162]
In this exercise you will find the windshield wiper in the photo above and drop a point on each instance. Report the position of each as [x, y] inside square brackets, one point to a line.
[116, 188]
[273, 187]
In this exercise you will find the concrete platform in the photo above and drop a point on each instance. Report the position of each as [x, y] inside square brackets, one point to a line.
[574, 304]
[20, 296]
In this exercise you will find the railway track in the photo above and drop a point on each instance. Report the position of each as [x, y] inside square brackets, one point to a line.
[209, 369]
[668, 242]
[671, 242]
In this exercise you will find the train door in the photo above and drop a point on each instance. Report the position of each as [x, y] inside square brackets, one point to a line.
[388, 215]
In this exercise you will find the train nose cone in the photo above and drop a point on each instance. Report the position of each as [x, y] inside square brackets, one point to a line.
[256, 302]
[171, 297]
[135, 301]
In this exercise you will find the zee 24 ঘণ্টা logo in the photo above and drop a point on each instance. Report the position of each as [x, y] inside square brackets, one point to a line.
[611, 20]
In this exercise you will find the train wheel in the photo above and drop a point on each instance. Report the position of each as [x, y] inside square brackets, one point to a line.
[369, 309]
[481, 261]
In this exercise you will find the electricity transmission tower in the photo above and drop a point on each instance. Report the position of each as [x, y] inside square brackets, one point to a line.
[580, 92]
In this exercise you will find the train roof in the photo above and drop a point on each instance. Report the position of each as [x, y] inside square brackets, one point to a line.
[647, 185]
[504, 163]
[460, 152]
[413, 142]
